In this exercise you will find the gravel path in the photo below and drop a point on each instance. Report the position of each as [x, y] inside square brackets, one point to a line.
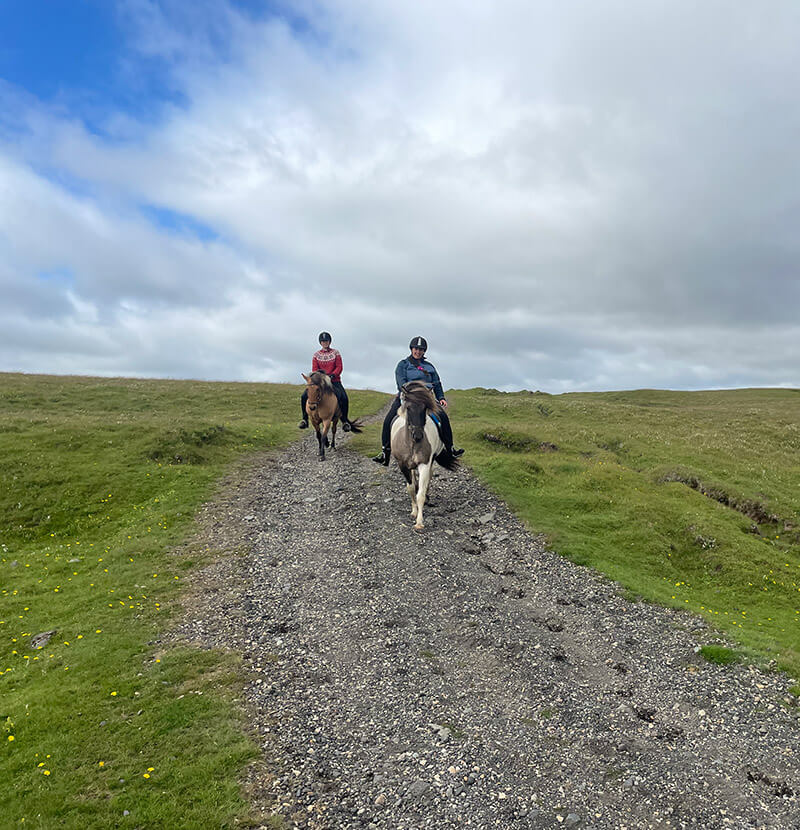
[466, 676]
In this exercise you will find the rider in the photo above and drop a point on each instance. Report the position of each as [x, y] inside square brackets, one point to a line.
[329, 362]
[416, 367]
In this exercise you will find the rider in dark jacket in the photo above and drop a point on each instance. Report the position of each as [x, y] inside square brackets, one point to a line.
[416, 367]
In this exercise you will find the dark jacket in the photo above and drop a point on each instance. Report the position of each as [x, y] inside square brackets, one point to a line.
[411, 369]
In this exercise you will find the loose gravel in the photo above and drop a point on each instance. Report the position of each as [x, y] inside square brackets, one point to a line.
[466, 676]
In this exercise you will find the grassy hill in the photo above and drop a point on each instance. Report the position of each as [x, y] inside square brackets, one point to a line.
[99, 480]
[688, 499]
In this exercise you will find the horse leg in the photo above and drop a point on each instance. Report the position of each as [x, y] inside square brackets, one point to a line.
[422, 491]
[321, 442]
[411, 489]
[333, 434]
[325, 427]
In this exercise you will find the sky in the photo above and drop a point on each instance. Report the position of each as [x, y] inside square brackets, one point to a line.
[559, 196]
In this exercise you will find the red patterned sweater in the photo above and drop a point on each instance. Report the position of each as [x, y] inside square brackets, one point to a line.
[328, 361]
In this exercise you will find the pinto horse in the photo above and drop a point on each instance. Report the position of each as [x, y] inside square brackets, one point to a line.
[323, 410]
[416, 444]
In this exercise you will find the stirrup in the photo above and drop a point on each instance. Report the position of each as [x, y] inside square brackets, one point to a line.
[303, 424]
[345, 426]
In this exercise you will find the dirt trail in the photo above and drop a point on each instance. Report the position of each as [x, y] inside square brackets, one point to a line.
[468, 677]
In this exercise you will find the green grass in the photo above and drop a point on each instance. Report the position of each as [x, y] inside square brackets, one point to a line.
[688, 499]
[720, 655]
[99, 482]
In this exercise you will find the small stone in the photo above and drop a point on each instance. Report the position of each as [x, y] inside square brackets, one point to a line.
[42, 639]
[418, 788]
[486, 518]
[126, 812]
[572, 820]
[380, 801]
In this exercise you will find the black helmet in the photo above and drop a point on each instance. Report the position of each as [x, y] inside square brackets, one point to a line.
[325, 335]
[418, 343]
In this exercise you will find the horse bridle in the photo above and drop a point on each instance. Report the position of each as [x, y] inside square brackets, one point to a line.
[313, 404]
[417, 431]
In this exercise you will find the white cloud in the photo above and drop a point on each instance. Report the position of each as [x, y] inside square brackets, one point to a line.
[556, 198]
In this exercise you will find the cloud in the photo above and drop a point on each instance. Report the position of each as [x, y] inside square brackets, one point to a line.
[555, 199]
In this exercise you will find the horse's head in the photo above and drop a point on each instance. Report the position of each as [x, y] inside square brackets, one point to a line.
[417, 400]
[317, 384]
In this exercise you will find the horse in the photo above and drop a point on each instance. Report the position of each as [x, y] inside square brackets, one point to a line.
[323, 409]
[416, 443]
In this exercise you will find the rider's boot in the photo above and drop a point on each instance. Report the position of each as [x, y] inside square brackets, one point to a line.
[344, 406]
[456, 453]
[383, 457]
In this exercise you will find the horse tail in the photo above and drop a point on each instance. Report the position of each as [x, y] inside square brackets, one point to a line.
[355, 426]
[447, 460]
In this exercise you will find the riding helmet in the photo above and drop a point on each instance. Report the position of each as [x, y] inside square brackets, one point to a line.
[325, 335]
[418, 343]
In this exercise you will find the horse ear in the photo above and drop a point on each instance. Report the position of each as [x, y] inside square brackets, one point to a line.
[305, 377]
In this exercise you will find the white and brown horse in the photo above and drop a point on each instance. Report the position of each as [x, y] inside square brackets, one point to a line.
[416, 444]
[323, 410]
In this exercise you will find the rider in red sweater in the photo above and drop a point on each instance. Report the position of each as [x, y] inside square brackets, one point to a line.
[328, 361]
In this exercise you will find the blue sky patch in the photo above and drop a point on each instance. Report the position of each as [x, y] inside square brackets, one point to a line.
[178, 223]
[75, 54]
[60, 276]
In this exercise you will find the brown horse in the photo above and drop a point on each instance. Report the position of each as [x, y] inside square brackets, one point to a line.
[416, 444]
[323, 410]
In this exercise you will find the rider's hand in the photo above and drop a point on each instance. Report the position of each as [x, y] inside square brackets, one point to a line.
[443, 403]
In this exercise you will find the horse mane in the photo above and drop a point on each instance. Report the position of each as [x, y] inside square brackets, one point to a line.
[322, 380]
[416, 392]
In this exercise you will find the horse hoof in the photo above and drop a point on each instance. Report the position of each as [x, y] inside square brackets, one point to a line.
[419, 527]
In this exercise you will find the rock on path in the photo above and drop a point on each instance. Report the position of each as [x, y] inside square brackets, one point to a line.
[466, 676]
